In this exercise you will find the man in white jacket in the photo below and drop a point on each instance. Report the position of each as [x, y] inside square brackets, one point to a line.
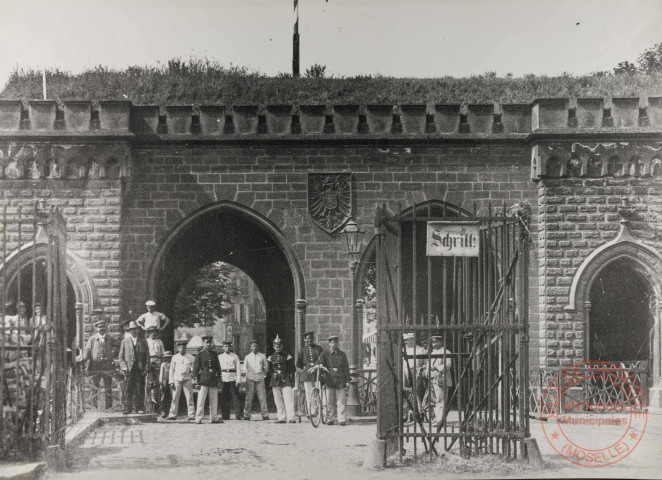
[181, 378]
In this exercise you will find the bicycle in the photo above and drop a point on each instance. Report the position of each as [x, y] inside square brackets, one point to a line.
[318, 404]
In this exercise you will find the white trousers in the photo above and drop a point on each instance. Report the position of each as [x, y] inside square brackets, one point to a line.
[439, 402]
[187, 386]
[213, 403]
[284, 398]
[337, 398]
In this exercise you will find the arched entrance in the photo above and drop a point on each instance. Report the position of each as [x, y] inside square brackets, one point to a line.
[616, 295]
[234, 234]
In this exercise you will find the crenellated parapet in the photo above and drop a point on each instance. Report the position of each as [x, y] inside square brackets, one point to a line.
[558, 159]
[187, 122]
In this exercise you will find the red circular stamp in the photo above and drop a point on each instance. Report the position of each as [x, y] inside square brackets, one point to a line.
[594, 414]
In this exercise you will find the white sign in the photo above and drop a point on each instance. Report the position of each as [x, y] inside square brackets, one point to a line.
[453, 239]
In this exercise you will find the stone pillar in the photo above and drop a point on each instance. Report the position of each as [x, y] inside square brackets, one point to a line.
[353, 399]
[299, 322]
[655, 392]
[587, 325]
[79, 325]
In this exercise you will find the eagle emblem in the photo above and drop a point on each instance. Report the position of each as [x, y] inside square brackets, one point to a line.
[329, 199]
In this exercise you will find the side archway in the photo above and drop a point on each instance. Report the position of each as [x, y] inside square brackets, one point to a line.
[639, 270]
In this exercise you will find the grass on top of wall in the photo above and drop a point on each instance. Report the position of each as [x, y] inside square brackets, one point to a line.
[201, 81]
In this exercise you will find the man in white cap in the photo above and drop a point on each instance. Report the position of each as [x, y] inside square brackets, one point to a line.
[152, 318]
[230, 380]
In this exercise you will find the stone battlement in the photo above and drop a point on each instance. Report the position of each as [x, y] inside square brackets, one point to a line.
[556, 115]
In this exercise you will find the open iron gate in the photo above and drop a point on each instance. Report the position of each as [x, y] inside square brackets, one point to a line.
[478, 305]
[33, 347]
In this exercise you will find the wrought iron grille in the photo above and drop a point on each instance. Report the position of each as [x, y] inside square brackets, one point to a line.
[470, 392]
[35, 377]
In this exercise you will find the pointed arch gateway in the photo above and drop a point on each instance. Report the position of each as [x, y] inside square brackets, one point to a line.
[617, 296]
[234, 234]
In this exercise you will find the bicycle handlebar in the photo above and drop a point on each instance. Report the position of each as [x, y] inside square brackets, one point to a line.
[317, 367]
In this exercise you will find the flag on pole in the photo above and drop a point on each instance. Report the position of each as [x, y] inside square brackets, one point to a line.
[296, 17]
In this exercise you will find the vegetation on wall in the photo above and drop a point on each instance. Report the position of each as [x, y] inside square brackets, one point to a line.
[202, 81]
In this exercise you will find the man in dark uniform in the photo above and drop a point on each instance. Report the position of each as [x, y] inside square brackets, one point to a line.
[207, 374]
[306, 359]
[281, 367]
[98, 353]
[337, 381]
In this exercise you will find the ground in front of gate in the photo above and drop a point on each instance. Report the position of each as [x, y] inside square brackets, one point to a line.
[264, 449]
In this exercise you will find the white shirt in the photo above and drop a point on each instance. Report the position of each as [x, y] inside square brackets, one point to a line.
[229, 361]
[256, 366]
[181, 368]
[155, 346]
[151, 320]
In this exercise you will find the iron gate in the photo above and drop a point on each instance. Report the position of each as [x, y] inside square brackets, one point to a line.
[478, 306]
[33, 350]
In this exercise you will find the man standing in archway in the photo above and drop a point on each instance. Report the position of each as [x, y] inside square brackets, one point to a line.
[133, 359]
[306, 359]
[281, 368]
[230, 379]
[152, 318]
[98, 353]
[207, 374]
[337, 381]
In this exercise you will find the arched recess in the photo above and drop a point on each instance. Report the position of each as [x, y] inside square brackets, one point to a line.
[80, 283]
[624, 252]
[433, 208]
[235, 234]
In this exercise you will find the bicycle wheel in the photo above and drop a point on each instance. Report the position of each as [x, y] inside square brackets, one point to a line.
[315, 413]
[324, 406]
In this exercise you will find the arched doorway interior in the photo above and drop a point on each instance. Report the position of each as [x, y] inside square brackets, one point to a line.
[621, 318]
[231, 233]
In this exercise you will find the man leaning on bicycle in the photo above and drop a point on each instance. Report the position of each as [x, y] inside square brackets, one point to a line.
[336, 381]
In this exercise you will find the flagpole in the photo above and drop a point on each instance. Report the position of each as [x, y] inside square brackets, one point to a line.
[43, 83]
[295, 41]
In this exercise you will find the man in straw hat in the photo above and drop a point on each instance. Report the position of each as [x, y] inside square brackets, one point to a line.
[181, 378]
[282, 369]
[256, 371]
[337, 381]
[440, 367]
[306, 359]
[134, 359]
[152, 318]
[98, 353]
[207, 374]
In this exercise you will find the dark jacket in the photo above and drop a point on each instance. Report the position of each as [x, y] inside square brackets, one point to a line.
[307, 358]
[130, 355]
[207, 368]
[98, 354]
[338, 366]
[281, 367]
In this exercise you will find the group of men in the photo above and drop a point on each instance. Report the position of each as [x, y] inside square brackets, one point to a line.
[417, 372]
[140, 359]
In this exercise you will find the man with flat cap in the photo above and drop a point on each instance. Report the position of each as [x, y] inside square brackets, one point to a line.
[230, 380]
[207, 374]
[306, 359]
[440, 370]
[98, 353]
[337, 380]
[133, 360]
[181, 378]
[282, 369]
[152, 318]
[256, 371]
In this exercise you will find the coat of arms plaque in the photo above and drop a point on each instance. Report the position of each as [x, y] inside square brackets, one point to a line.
[330, 199]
